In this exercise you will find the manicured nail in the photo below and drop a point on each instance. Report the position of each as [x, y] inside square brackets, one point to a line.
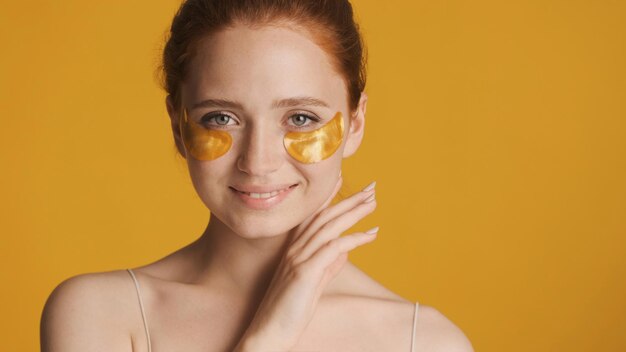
[372, 231]
[370, 198]
[370, 187]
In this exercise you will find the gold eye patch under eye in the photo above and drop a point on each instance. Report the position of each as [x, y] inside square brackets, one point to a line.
[203, 143]
[313, 146]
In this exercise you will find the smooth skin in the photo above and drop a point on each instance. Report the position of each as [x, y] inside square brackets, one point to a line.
[256, 280]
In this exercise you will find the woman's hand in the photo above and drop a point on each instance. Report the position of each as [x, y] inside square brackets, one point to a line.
[315, 255]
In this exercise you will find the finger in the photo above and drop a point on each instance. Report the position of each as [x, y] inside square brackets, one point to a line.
[335, 267]
[304, 224]
[328, 200]
[333, 229]
[366, 195]
[327, 254]
[333, 194]
[330, 213]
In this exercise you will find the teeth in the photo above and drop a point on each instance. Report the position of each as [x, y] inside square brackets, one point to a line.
[264, 195]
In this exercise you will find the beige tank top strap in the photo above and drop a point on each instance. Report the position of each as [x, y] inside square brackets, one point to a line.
[143, 313]
[414, 325]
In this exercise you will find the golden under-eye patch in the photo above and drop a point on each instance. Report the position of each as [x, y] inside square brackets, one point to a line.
[203, 143]
[313, 146]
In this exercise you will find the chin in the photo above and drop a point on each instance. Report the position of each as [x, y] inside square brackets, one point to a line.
[256, 227]
[259, 232]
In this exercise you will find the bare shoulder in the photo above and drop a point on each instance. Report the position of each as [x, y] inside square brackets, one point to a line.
[372, 303]
[89, 311]
[435, 332]
[432, 332]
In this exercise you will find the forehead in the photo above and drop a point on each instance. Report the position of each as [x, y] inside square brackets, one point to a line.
[260, 65]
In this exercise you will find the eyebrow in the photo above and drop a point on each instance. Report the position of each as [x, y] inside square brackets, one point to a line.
[298, 101]
[284, 103]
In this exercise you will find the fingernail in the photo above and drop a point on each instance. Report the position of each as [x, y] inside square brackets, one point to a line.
[372, 231]
[370, 187]
[370, 198]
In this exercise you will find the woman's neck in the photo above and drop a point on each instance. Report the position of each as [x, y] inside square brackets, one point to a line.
[240, 265]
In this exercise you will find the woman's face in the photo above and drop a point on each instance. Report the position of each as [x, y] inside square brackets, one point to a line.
[257, 85]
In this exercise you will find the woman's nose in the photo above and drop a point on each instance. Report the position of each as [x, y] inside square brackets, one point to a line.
[261, 153]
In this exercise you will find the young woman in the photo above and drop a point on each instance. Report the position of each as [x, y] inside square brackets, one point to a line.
[265, 99]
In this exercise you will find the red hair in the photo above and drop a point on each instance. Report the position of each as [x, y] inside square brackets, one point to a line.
[329, 22]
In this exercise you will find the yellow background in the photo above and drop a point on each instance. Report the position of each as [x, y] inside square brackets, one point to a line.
[495, 129]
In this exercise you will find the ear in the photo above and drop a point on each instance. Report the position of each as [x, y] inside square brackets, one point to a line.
[357, 125]
[175, 124]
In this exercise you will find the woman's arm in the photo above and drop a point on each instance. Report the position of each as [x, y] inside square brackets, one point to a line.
[80, 315]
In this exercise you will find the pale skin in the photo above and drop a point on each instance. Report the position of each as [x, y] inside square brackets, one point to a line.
[277, 279]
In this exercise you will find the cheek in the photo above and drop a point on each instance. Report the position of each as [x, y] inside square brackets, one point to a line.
[209, 178]
[321, 178]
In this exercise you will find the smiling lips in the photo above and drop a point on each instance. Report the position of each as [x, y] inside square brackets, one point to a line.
[263, 197]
